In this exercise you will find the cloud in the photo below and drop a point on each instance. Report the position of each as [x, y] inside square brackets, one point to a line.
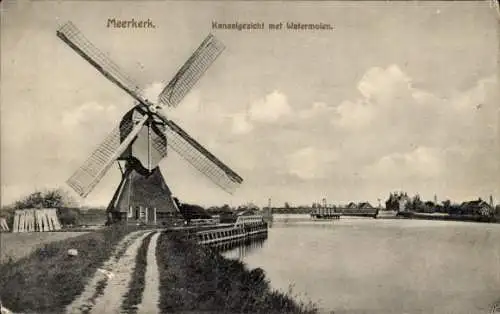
[395, 132]
[270, 108]
[315, 110]
[240, 124]
[392, 135]
[385, 93]
[354, 115]
[88, 113]
[422, 162]
[390, 106]
[310, 162]
[380, 85]
[152, 91]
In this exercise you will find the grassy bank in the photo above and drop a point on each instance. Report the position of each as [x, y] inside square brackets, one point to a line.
[197, 279]
[14, 246]
[48, 279]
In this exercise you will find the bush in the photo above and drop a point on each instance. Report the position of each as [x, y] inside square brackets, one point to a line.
[53, 198]
[69, 216]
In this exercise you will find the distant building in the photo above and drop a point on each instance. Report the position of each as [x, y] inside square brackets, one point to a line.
[404, 202]
[247, 212]
[365, 205]
[477, 207]
[399, 202]
[352, 205]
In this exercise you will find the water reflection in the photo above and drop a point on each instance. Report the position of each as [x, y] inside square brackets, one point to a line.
[240, 248]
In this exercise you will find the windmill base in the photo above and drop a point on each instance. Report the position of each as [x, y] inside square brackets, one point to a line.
[143, 197]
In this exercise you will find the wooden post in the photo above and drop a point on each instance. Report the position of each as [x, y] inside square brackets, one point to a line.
[15, 225]
[21, 221]
[154, 215]
[146, 214]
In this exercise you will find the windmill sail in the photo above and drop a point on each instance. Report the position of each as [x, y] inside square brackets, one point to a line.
[70, 34]
[191, 71]
[201, 158]
[95, 167]
[118, 141]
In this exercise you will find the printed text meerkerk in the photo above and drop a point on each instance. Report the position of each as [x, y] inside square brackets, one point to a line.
[271, 26]
[132, 23]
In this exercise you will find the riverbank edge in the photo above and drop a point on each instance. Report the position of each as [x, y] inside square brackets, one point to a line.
[424, 216]
[196, 278]
[464, 218]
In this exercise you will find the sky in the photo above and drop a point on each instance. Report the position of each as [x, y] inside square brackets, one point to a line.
[398, 96]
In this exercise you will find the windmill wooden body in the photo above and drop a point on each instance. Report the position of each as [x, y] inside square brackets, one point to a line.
[140, 140]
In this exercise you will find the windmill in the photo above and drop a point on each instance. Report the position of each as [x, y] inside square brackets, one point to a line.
[140, 140]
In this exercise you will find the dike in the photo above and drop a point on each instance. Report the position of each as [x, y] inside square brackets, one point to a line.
[194, 278]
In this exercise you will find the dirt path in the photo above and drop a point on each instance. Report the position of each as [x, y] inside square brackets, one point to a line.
[118, 285]
[151, 294]
[104, 291]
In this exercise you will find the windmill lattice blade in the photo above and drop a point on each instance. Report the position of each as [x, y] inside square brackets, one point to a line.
[159, 144]
[95, 167]
[201, 158]
[70, 34]
[191, 71]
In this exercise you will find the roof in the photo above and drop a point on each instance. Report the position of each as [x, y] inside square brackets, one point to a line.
[137, 190]
[474, 204]
[247, 212]
[365, 205]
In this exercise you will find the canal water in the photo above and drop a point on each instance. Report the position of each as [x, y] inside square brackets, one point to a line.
[382, 266]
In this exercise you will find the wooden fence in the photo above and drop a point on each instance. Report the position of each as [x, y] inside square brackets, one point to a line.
[32, 220]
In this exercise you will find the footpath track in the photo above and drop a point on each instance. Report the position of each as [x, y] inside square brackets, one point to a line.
[151, 295]
[105, 291]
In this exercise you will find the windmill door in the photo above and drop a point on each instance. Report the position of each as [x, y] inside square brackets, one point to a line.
[142, 214]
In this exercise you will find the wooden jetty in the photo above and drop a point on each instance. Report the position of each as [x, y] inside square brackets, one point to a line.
[245, 227]
[325, 213]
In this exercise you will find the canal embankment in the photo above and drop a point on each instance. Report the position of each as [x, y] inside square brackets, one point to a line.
[110, 271]
[198, 278]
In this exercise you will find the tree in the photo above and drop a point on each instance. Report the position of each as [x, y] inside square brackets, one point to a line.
[287, 205]
[67, 212]
[447, 206]
[392, 203]
[416, 204]
[54, 198]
